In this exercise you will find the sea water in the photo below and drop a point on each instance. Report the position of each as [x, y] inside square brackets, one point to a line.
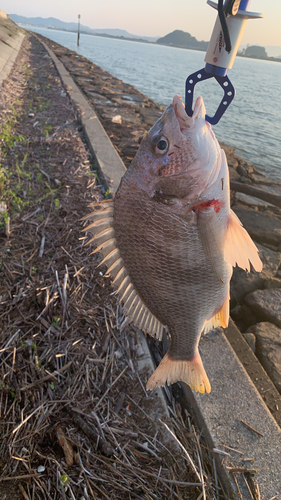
[251, 123]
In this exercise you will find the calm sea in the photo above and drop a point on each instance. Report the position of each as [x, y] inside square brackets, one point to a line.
[252, 123]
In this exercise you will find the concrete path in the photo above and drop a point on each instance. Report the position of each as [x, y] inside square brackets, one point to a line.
[11, 37]
[238, 426]
[235, 418]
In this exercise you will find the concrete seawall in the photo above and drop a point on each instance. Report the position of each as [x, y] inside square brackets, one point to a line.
[11, 37]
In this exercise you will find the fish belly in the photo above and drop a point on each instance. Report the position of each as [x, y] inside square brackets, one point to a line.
[167, 265]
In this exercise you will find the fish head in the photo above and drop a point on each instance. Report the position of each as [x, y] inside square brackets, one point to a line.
[179, 156]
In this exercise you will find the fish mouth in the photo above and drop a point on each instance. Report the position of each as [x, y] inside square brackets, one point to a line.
[187, 122]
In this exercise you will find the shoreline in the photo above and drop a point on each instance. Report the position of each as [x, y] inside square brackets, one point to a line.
[141, 40]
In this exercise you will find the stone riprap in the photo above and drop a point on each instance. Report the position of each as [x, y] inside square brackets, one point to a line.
[244, 283]
[268, 349]
[266, 304]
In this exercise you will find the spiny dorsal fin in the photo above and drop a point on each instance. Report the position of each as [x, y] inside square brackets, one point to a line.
[97, 214]
[104, 238]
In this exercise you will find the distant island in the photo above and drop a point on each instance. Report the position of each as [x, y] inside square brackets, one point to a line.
[257, 52]
[176, 38]
[182, 39]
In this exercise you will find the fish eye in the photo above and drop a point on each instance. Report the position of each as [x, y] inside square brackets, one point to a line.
[161, 145]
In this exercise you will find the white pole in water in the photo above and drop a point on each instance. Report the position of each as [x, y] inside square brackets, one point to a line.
[78, 34]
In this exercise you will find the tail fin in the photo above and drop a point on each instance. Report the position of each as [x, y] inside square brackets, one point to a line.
[171, 371]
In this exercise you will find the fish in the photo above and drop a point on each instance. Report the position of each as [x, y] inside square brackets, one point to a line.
[170, 240]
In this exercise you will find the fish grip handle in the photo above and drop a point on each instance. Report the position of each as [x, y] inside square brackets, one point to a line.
[224, 82]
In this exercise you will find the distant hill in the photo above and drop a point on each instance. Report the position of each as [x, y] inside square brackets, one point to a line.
[256, 51]
[179, 38]
[271, 50]
[52, 22]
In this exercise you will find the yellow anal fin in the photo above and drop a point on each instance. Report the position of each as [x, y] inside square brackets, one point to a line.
[170, 371]
[220, 318]
[239, 248]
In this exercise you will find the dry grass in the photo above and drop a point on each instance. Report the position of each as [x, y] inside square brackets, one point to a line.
[76, 421]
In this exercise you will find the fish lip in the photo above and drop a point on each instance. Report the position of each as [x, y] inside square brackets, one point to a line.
[185, 121]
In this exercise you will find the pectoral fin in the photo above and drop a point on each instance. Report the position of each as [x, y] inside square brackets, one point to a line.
[239, 247]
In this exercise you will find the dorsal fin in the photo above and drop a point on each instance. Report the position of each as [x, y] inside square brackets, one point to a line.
[104, 237]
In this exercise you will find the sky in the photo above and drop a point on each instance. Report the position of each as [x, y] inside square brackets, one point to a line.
[153, 17]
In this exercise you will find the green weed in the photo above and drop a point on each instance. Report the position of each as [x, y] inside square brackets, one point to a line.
[47, 129]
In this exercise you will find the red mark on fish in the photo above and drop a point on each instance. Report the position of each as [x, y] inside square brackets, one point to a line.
[216, 204]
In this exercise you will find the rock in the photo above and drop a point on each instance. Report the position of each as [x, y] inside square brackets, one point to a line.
[258, 179]
[251, 200]
[128, 149]
[260, 226]
[251, 340]
[117, 119]
[233, 174]
[268, 350]
[149, 116]
[229, 150]
[232, 162]
[98, 98]
[243, 317]
[266, 304]
[272, 283]
[244, 179]
[243, 283]
[242, 171]
[135, 98]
